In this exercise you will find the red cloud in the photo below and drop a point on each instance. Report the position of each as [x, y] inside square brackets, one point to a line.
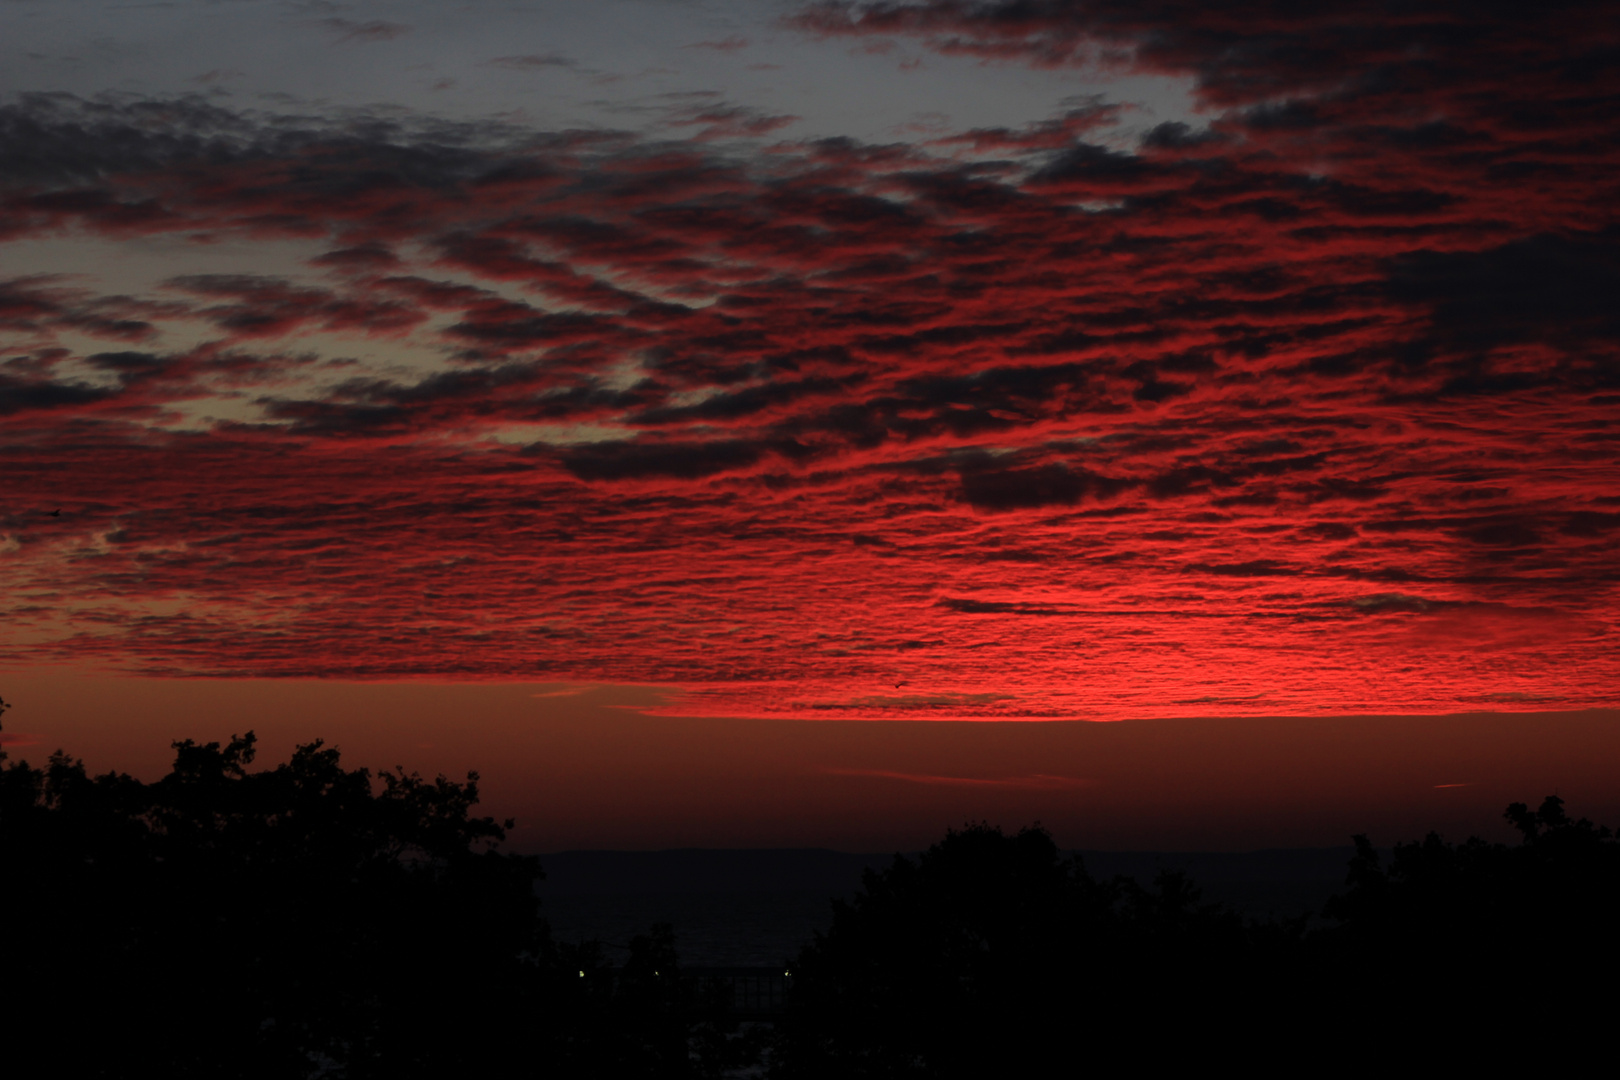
[1306, 411]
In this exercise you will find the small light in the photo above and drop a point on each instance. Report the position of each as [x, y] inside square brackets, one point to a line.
[582, 974]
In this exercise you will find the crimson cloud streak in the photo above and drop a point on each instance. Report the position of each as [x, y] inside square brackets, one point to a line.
[1309, 409]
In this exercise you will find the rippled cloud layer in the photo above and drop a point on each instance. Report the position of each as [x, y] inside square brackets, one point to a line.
[1311, 408]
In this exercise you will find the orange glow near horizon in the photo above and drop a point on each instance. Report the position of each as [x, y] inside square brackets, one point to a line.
[594, 767]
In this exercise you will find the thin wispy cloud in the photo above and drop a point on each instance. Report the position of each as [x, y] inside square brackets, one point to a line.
[349, 31]
[1032, 782]
[532, 61]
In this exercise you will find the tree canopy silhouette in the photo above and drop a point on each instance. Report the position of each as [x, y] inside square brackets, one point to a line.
[991, 954]
[308, 920]
[1457, 930]
[995, 955]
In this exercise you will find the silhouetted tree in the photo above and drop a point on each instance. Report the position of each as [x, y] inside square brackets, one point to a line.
[994, 955]
[307, 920]
[1460, 933]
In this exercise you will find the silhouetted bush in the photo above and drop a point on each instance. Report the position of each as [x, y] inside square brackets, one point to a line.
[308, 920]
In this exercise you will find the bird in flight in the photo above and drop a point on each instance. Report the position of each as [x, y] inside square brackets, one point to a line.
[56, 513]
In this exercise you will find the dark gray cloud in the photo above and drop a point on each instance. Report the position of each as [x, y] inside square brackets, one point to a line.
[635, 460]
[39, 395]
[1034, 486]
[1556, 289]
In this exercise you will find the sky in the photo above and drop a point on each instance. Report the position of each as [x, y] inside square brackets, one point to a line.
[752, 380]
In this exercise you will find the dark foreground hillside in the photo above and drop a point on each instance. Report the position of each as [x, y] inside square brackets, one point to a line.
[754, 908]
[312, 920]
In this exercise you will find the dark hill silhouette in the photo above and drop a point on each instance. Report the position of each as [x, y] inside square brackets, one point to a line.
[708, 871]
[742, 907]
[729, 908]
